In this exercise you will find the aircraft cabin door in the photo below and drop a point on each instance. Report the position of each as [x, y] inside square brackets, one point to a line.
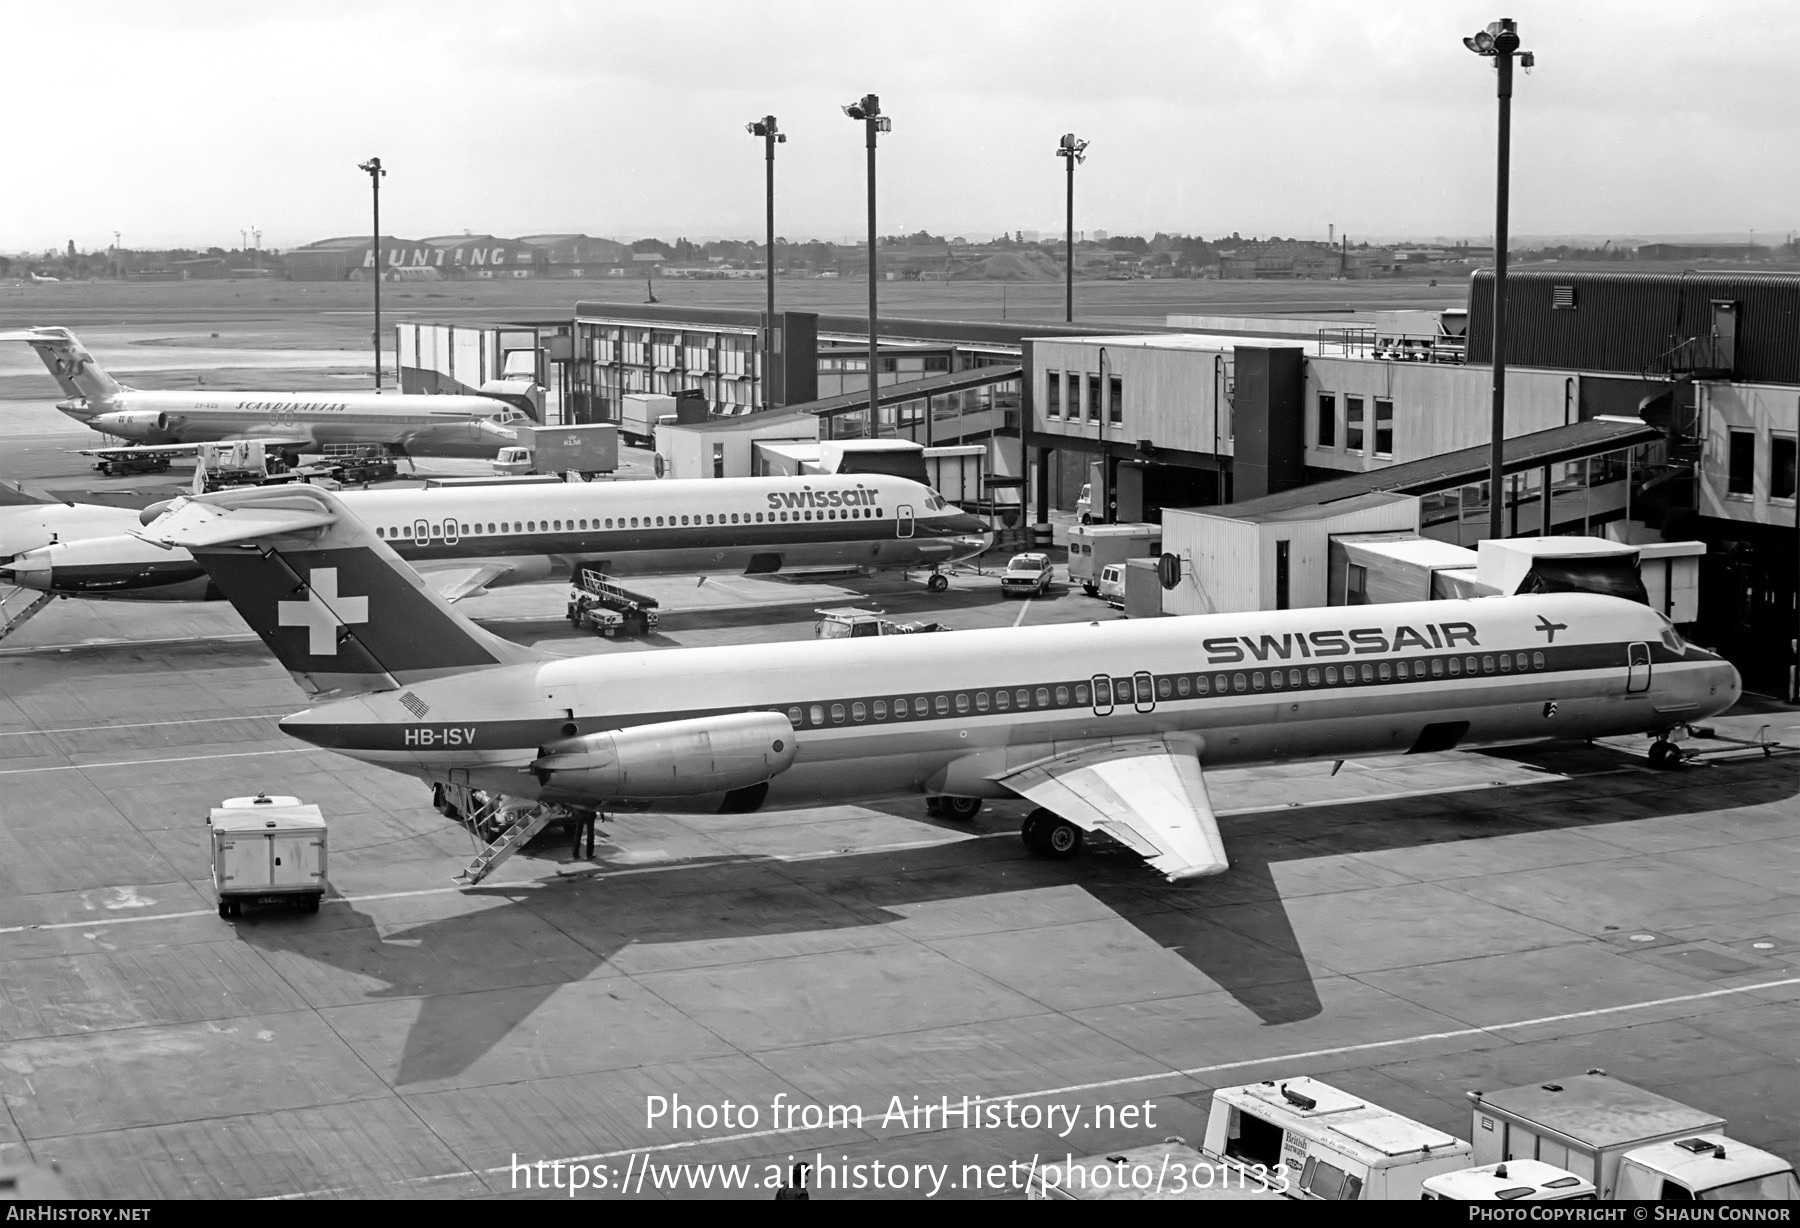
[1103, 694]
[903, 520]
[421, 532]
[450, 534]
[1637, 668]
[1146, 691]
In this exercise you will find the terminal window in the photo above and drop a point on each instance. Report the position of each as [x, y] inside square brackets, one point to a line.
[1384, 427]
[1782, 476]
[1740, 478]
[1053, 394]
[1328, 419]
[1353, 423]
[1115, 400]
[1093, 398]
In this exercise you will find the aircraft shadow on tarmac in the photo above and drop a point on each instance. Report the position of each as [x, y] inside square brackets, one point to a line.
[1253, 954]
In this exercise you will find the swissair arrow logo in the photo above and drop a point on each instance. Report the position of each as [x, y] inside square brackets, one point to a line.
[323, 612]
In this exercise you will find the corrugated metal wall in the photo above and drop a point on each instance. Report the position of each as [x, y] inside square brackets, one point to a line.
[1628, 322]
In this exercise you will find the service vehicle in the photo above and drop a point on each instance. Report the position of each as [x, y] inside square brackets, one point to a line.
[849, 623]
[1084, 506]
[1632, 1144]
[1509, 1181]
[1028, 575]
[1111, 588]
[1166, 1170]
[125, 461]
[267, 850]
[1094, 547]
[641, 413]
[1327, 1144]
[589, 449]
[608, 608]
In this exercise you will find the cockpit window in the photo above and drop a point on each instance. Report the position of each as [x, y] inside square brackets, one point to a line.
[1671, 638]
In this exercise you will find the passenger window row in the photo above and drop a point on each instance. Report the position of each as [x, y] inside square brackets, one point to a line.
[405, 532]
[1142, 688]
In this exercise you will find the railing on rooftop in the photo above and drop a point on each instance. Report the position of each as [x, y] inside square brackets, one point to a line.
[1364, 341]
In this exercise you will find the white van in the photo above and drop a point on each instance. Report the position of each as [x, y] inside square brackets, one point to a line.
[1111, 586]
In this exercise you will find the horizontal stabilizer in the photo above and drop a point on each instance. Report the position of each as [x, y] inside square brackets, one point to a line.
[1148, 794]
[226, 517]
[455, 583]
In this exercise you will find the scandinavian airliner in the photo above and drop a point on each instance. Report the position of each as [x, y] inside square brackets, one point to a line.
[1106, 727]
[293, 422]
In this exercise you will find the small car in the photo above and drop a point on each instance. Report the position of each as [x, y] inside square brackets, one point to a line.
[1027, 575]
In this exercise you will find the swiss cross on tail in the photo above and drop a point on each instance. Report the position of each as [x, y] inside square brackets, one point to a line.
[323, 612]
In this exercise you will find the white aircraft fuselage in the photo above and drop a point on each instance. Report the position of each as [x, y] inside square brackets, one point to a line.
[948, 713]
[519, 533]
[300, 422]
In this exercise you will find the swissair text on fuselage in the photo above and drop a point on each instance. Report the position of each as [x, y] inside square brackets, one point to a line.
[1230, 649]
[806, 496]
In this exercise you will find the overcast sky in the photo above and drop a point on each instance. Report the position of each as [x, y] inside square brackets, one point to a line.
[187, 122]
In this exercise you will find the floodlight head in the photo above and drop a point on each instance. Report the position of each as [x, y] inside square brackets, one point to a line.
[1481, 43]
[854, 111]
[373, 166]
[755, 129]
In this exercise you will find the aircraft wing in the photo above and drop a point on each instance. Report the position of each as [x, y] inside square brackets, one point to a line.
[456, 581]
[1148, 794]
[214, 520]
[147, 449]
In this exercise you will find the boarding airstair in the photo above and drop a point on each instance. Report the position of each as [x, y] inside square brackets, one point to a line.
[18, 605]
[518, 822]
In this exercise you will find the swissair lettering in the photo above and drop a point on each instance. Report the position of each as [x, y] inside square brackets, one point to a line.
[806, 496]
[1228, 650]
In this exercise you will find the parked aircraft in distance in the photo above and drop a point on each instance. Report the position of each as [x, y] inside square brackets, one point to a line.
[293, 422]
[1105, 726]
[466, 539]
[44, 280]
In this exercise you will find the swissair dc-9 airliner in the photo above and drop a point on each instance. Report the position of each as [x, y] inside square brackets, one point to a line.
[466, 539]
[293, 422]
[1105, 727]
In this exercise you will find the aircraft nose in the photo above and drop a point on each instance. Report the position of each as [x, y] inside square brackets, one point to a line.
[494, 431]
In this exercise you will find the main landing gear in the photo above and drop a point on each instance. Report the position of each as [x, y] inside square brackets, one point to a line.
[1050, 835]
[937, 582]
[962, 809]
[1665, 755]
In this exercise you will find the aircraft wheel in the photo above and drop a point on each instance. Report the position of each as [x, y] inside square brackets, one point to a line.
[1665, 755]
[1050, 835]
[962, 809]
[938, 582]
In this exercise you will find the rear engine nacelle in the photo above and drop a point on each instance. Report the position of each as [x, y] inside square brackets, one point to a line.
[140, 425]
[713, 754]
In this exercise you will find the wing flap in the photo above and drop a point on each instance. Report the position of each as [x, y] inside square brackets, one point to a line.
[1149, 795]
[216, 520]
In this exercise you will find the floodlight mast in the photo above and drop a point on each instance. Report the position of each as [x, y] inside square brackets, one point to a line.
[1500, 42]
[867, 110]
[772, 136]
[373, 167]
[1071, 149]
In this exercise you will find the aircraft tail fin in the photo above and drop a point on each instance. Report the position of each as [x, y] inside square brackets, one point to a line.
[332, 601]
[75, 370]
